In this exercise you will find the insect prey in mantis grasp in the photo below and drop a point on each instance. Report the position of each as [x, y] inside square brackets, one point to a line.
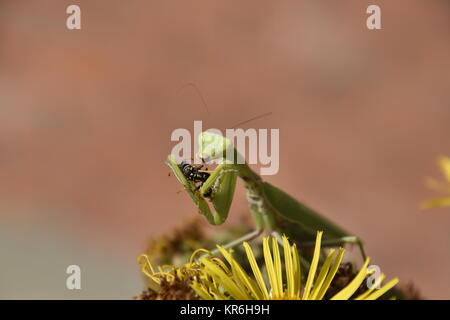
[195, 174]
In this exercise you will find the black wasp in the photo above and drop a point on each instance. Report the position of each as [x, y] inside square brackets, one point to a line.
[195, 174]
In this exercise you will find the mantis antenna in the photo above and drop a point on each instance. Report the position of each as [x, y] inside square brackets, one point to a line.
[252, 119]
[194, 86]
[205, 105]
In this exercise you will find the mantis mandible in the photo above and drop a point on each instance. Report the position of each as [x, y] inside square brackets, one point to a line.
[273, 210]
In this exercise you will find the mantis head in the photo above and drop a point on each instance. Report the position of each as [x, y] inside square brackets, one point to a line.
[213, 147]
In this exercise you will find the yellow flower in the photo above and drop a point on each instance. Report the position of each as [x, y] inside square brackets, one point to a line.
[169, 273]
[444, 187]
[168, 282]
[220, 280]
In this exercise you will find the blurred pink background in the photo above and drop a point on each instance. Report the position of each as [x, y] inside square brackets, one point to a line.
[86, 118]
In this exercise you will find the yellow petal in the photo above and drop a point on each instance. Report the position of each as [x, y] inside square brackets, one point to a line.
[196, 252]
[321, 277]
[270, 268]
[246, 281]
[378, 293]
[256, 271]
[351, 288]
[436, 203]
[330, 276]
[289, 268]
[201, 291]
[218, 295]
[243, 280]
[147, 263]
[444, 163]
[439, 186]
[277, 266]
[222, 265]
[312, 269]
[374, 287]
[225, 280]
[297, 271]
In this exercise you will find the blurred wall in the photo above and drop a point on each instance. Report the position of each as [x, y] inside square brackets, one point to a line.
[86, 118]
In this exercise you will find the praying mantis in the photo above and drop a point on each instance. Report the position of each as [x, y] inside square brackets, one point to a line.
[273, 210]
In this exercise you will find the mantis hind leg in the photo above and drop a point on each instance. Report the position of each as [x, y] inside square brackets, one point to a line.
[248, 237]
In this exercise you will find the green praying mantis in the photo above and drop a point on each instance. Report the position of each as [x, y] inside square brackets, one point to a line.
[273, 210]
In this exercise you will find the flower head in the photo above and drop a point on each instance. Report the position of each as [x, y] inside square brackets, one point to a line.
[212, 278]
[168, 282]
[444, 187]
[282, 279]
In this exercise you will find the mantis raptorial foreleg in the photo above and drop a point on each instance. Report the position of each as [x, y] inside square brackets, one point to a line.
[214, 180]
[212, 185]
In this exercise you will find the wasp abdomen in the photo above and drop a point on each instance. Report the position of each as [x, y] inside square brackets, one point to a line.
[192, 173]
